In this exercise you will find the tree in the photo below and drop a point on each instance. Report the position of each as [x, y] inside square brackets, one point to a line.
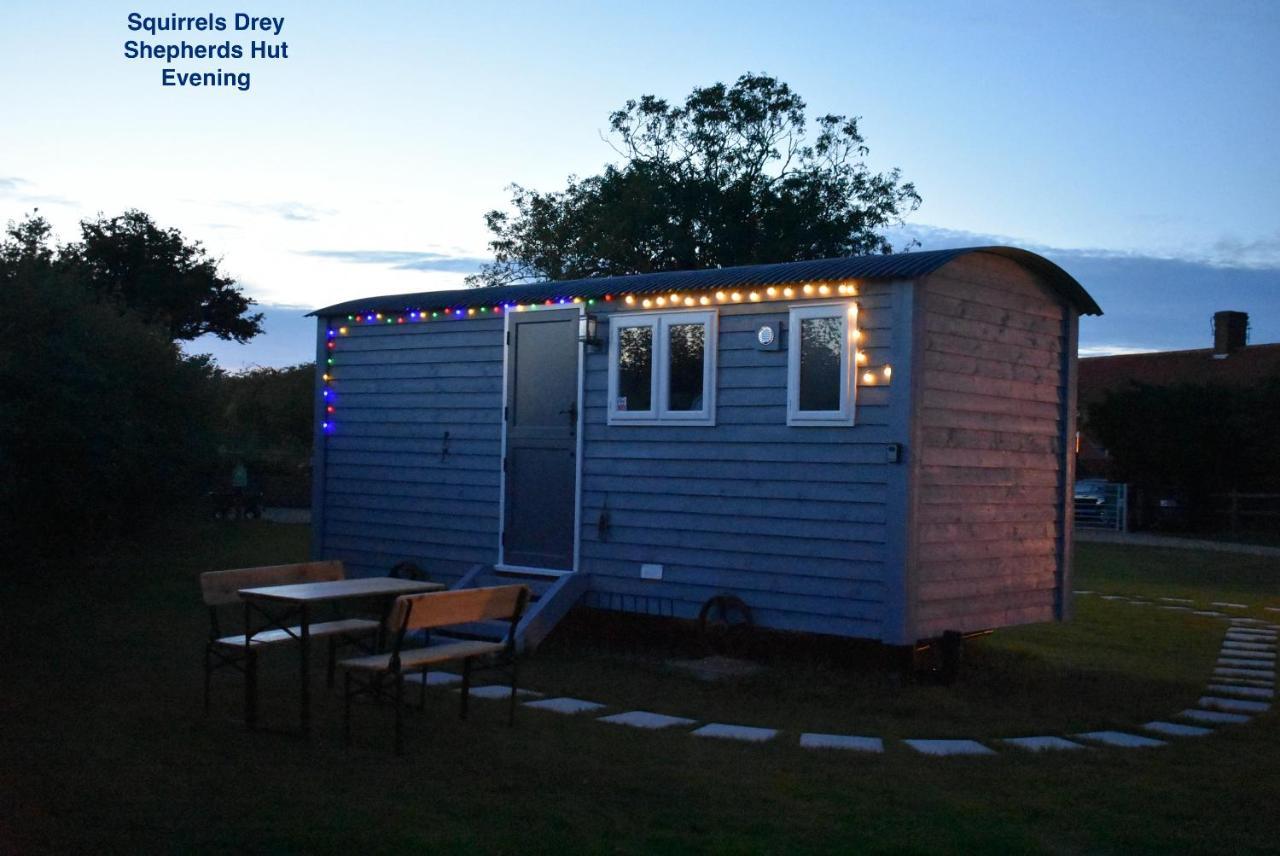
[728, 177]
[106, 424]
[160, 276]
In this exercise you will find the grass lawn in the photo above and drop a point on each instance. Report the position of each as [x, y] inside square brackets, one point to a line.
[103, 747]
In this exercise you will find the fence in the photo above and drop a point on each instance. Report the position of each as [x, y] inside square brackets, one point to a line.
[1248, 512]
[1102, 505]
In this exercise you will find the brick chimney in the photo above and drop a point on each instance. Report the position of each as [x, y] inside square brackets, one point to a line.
[1230, 333]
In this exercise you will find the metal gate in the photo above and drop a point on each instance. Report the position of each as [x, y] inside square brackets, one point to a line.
[1101, 505]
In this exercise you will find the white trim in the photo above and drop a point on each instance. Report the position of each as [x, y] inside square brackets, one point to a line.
[616, 326]
[847, 312]
[502, 451]
[660, 372]
[501, 564]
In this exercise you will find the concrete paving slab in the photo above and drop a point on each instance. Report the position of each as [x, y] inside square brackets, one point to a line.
[1237, 663]
[1176, 599]
[496, 691]
[1214, 717]
[1260, 647]
[1122, 739]
[1272, 608]
[1262, 657]
[1233, 705]
[1227, 605]
[725, 731]
[1251, 634]
[1207, 612]
[841, 741]
[565, 705]
[1254, 675]
[1176, 729]
[1090, 591]
[1242, 692]
[949, 747]
[645, 719]
[1042, 744]
[1176, 608]
[1114, 597]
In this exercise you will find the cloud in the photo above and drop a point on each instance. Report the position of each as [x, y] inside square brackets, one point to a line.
[14, 188]
[297, 212]
[1111, 350]
[1151, 302]
[403, 260]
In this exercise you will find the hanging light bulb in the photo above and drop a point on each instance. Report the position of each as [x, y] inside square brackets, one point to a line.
[771, 291]
[887, 372]
[736, 297]
[788, 292]
[754, 297]
[704, 300]
[631, 300]
[868, 377]
[808, 289]
[862, 357]
[660, 300]
[675, 300]
[824, 289]
[646, 303]
[720, 295]
[689, 301]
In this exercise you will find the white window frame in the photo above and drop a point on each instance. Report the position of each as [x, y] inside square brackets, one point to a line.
[660, 412]
[847, 312]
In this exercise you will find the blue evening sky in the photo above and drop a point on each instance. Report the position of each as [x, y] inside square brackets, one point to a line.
[1132, 142]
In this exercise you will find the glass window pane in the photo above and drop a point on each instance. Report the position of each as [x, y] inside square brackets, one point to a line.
[635, 369]
[821, 340]
[687, 355]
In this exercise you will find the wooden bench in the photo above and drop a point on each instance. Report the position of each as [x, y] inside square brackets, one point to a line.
[432, 611]
[221, 591]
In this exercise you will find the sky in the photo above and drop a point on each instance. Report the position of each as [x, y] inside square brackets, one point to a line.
[1131, 142]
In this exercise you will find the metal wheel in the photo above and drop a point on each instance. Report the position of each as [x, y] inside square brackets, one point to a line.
[725, 625]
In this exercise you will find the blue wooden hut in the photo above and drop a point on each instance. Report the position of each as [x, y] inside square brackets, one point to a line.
[877, 447]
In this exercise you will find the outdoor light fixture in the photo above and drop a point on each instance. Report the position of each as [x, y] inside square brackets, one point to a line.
[587, 329]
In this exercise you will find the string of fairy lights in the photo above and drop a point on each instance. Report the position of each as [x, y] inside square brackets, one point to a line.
[869, 376]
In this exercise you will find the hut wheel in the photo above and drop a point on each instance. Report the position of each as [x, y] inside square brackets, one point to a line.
[725, 625]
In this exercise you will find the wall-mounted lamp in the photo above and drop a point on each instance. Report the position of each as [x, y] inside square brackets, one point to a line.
[587, 330]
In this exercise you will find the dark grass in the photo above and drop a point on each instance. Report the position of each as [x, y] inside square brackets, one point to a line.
[103, 747]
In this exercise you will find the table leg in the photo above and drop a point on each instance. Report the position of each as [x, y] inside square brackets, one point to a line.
[250, 674]
[305, 645]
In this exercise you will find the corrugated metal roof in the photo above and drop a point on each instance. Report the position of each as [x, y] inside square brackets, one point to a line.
[880, 267]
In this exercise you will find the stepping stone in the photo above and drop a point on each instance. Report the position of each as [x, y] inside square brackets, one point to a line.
[1120, 738]
[499, 691]
[1174, 729]
[1215, 717]
[1090, 591]
[1176, 600]
[841, 741]
[1244, 692]
[564, 705]
[1177, 608]
[644, 719]
[1244, 654]
[1042, 744]
[1251, 633]
[949, 747]
[1114, 597]
[1208, 612]
[1267, 608]
[1227, 605]
[435, 679]
[736, 732]
[1234, 705]
[1241, 663]
[1249, 621]
[1237, 645]
[1250, 674]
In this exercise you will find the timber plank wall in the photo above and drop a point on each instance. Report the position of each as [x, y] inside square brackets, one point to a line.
[993, 412]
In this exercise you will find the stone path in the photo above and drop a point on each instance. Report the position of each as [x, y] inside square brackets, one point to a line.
[1241, 687]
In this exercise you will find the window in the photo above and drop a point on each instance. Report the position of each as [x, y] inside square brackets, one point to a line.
[662, 368]
[820, 364]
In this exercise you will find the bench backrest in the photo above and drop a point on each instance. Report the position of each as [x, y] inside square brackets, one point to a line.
[443, 608]
[220, 587]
